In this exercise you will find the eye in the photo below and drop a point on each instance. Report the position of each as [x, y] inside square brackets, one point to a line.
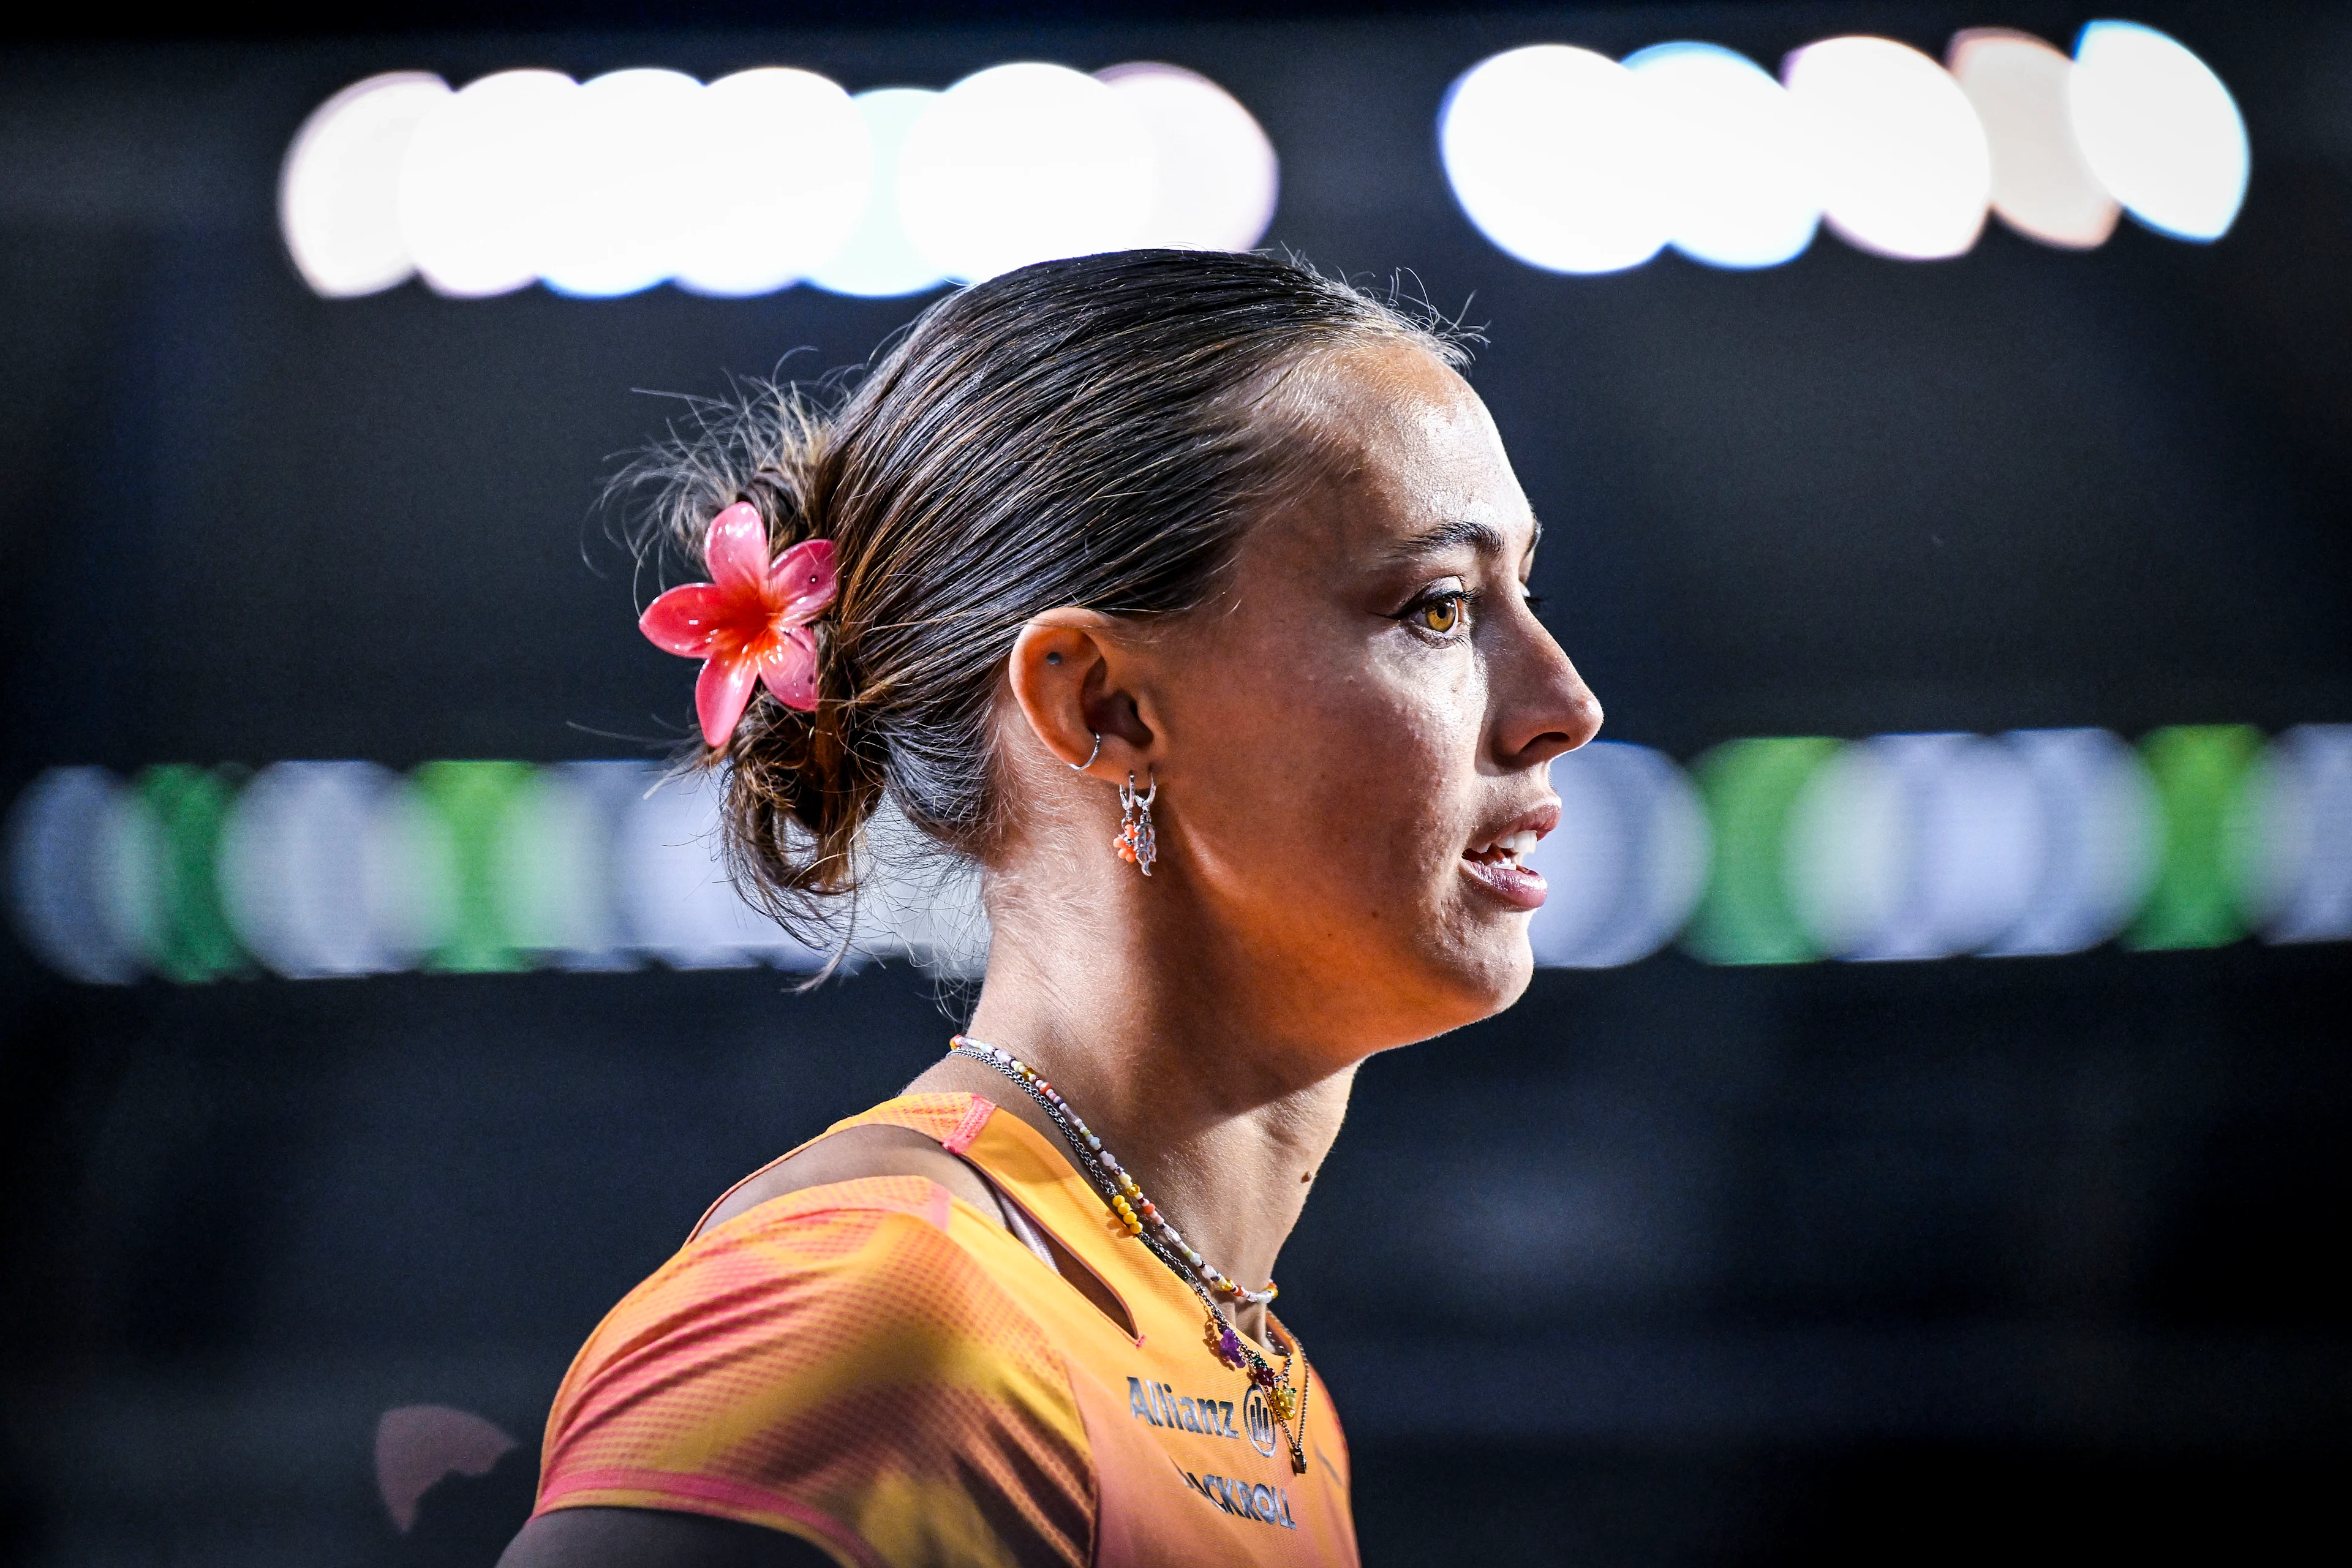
[1443, 612]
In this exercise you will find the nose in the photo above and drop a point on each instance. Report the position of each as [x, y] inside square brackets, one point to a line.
[1541, 707]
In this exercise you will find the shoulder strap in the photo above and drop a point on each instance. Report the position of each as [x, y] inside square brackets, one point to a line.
[950, 1121]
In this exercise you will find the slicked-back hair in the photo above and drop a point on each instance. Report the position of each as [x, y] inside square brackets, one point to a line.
[1097, 433]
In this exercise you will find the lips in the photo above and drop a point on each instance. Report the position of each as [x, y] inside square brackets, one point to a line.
[1497, 862]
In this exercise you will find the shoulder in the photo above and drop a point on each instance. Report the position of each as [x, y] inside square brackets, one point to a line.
[873, 1149]
[819, 1361]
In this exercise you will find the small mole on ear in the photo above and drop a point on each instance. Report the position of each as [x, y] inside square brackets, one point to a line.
[1307, 1178]
[1053, 658]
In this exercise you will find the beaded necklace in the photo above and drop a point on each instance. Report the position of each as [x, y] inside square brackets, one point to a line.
[1165, 1242]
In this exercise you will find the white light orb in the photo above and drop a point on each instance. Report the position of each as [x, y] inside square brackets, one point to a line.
[2296, 852]
[2042, 187]
[72, 836]
[1218, 177]
[879, 260]
[336, 868]
[673, 892]
[1552, 152]
[1913, 847]
[1738, 169]
[1907, 168]
[339, 193]
[479, 180]
[1025, 162]
[1627, 862]
[2101, 824]
[2159, 130]
[620, 191]
[782, 174]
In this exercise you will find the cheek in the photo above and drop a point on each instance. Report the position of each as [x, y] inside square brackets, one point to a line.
[1344, 776]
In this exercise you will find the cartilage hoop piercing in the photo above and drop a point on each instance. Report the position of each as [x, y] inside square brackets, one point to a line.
[1082, 767]
[1137, 844]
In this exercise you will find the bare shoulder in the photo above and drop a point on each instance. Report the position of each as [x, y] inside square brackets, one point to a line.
[870, 1151]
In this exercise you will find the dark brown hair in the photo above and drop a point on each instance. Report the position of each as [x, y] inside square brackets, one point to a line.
[1094, 432]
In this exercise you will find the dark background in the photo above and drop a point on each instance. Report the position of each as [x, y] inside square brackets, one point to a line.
[1669, 1264]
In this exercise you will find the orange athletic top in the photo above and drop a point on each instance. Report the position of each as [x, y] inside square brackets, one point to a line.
[875, 1367]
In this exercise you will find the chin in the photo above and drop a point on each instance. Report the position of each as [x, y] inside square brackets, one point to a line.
[1469, 982]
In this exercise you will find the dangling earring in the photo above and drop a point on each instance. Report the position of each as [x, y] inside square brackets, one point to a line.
[1137, 844]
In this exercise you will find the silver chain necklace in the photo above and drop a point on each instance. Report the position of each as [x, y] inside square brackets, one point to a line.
[1132, 1210]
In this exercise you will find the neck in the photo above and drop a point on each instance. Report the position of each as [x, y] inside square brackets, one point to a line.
[1223, 1122]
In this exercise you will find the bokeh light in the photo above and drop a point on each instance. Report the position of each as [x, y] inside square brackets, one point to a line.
[880, 259]
[2159, 130]
[2201, 775]
[65, 878]
[2042, 186]
[617, 195]
[479, 179]
[334, 868]
[2099, 833]
[673, 881]
[1913, 846]
[1626, 863]
[1776, 849]
[339, 193]
[2297, 864]
[1024, 163]
[1217, 174]
[1552, 153]
[1905, 169]
[782, 174]
[1738, 169]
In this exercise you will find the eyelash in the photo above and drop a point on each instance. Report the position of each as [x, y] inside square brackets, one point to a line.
[1466, 603]
[1468, 599]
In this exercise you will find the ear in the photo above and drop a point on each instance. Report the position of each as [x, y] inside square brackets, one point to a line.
[1073, 676]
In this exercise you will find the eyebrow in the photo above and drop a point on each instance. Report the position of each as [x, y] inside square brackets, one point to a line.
[1451, 535]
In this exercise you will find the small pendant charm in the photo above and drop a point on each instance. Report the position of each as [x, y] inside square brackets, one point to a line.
[1284, 1404]
[1137, 844]
[1224, 1343]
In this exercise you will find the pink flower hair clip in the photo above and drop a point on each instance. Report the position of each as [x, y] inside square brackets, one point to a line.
[752, 621]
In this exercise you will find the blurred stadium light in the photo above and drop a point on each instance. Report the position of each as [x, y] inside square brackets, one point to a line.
[1741, 184]
[761, 180]
[2042, 186]
[1906, 171]
[879, 259]
[2159, 130]
[1772, 850]
[1572, 163]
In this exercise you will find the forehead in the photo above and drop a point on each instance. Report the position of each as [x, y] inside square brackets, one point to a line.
[1405, 445]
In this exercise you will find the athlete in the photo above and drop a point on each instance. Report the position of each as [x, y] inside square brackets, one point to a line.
[1185, 593]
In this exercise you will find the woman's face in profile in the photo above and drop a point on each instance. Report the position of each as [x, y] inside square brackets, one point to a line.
[1359, 734]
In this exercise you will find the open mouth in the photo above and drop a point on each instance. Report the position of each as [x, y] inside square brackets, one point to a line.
[1500, 864]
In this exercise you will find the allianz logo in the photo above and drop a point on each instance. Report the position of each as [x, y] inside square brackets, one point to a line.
[1162, 1406]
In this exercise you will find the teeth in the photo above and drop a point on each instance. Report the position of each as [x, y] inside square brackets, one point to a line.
[1511, 845]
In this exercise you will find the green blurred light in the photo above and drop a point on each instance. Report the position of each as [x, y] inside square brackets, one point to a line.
[472, 801]
[186, 933]
[1749, 787]
[2200, 772]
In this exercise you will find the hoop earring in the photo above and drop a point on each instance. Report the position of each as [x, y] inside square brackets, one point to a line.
[1137, 844]
[1082, 767]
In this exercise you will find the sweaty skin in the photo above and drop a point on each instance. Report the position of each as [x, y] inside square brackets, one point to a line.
[1349, 738]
